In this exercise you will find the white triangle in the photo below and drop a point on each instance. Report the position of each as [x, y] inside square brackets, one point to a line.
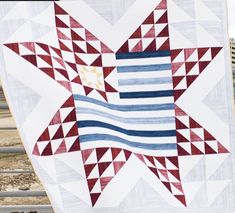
[186, 146]
[133, 42]
[162, 177]
[145, 28]
[170, 166]
[174, 190]
[158, 28]
[96, 44]
[67, 126]
[97, 187]
[178, 15]
[42, 145]
[72, 74]
[81, 44]
[41, 63]
[158, 165]
[182, 84]
[19, 11]
[88, 58]
[184, 119]
[64, 112]
[52, 129]
[207, 56]
[203, 13]
[25, 51]
[80, 32]
[55, 144]
[65, 19]
[215, 188]
[203, 37]
[213, 162]
[121, 157]
[68, 44]
[92, 158]
[200, 146]
[94, 173]
[56, 64]
[185, 133]
[187, 163]
[109, 172]
[160, 41]
[59, 77]
[148, 163]
[179, 57]
[107, 157]
[146, 42]
[191, 189]
[70, 141]
[53, 53]
[213, 145]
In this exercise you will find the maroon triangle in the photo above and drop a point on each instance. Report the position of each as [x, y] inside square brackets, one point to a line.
[89, 168]
[49, 72]
[77, 80]
[44, 136]
[203, 65]
[61, 148]
[14, 47]
[89, 36]
[91, 49]
[74, 23]
[161, 160]
[175, 173]
[72, 65]
[115, 152]
[162, 5]
[221, 148]
[127, 154]
[59, 10]
[188, 52]
[47, 150]
[70, 117]
[175, 67]
[181, 151]
[46, 58]
[175, 53]
[154, 171]
[109, 88]
[174, 161]
[117, 166]
[63, 72]
[150, 33]
[124, 48]
[193, 123]
[162, 19]
[56, 119]
[94, 198]
[149, 19]
[208, 136]
[29, 45]
[179, 124]
[104, 182]
[165, 45]
[91, 183]
[63, 47]
[73, 131]
[150, 159]
[88, 90]
[178, 93]
[177, 80]
[209, 150]
[189, 66]
[167, 185]
[57, 51]
[151, 47]
[77, 49]
[97, 62]
[105, 49]
[202, 52]
[164, 32]
[103, 94]
[138, 47]
[107, 71]
[78, 60]
[102, 167]
[76, 146]
[59, 23]
[30, 58]
[181, 198]
[100, 152]
[180, 138]
[68, 103]
[36, 150]
[137, 33]
[215, 51]
[75, 36]
[190, 79]
[195, 150]
[59, 133]
[44, 47]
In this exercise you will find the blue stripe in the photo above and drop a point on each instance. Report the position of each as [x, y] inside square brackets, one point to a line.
[102, 137]
[158, 120]
[143, 68]
[138, 133]
[126, 108]
[149, 94]
[144, 81]
[143, 54]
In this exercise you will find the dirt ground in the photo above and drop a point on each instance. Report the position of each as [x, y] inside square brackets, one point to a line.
[15, 182]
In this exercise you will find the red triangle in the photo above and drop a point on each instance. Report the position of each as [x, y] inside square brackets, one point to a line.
[167, 185]
[77, 49]
[86, 154]
[14, 47]
[175, 53]
[138, 47]
[104, 181]
[57, 51]
[188, 52]
[215, 51]
[149, 19]
[46, 58]
[102, 167]
[190, 79]
[107, 71]
[115, 152]
[209, 150]
[181, 198]
[179, 112]
[179, 124]
[181, 151]
[78, 60]
[180, 138]
[203, 65]
[109, 88]
[161, 160]
[61, 148]
[90, 36]
[164, 32]
[44, 47]
[193, 123]
[88, 90]
[91, 49]
[74, 23]
[72, 65]
[165, 45]
[47, 150]
[77, 80]
[76, 37]
[62, 35]
[174, 161]
[30, 58]
[59, 133]
[60, 24]
[100, 152]
[221, 148]
[66, 85]
[150, 159]
[44, 136]
[49, 72]
[178, 93]
[70, 117]
[36, 150]
[59, 10]
[105, 49]
[117, 166]
[175, 173]
[89, 168]
[56, 119]
[154, 171]
[63, 47]
[175, 67]
[29, 45]
[137, 33]
[68, 103]
[208, 136]
[162, 19]
[124, 48]
[195, 150]
[189, 66]
[177, 80]
[94, 198]
[152, 46]
[103, 94]
[73, 131]
[127, 154]
[162, 5]
[202, 52]
[91, 183]
[97, 62]
[150, 33]
[194, 137]
[178, 186]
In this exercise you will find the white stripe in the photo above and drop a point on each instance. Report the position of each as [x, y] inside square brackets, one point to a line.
[155, 87]
[143, 61]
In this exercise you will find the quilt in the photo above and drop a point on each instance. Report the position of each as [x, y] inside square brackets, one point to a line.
[123, 105]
